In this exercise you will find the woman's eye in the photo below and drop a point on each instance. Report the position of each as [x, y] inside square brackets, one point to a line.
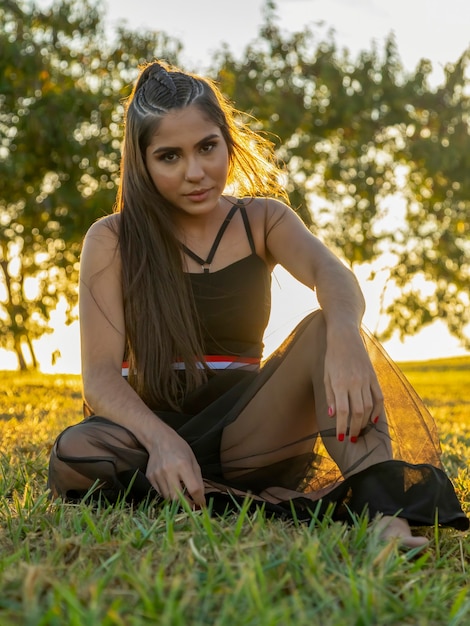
[208, 147]
[169, 157]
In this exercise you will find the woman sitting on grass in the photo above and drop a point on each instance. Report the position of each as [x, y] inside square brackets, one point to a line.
[174, 301]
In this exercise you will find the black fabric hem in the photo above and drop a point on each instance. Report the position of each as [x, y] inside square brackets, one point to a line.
[382, 489]
[421, 494]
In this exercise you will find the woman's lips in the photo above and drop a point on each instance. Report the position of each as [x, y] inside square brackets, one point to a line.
[198, 194]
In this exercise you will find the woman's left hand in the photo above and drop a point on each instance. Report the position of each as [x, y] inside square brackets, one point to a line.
[352, 390]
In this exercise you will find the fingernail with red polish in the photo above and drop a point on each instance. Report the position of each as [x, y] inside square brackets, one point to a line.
[353, 439]
[341, 437]
[376, 419]
[330, 411]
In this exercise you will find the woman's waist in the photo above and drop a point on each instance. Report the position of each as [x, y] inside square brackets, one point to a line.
[213, 362]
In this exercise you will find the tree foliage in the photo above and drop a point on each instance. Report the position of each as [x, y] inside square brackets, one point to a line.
[376, 158]
[61, 87]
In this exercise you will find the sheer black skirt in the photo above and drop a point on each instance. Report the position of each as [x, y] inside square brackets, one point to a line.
[267, 434]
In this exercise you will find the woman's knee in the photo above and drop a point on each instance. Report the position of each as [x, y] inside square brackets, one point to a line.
[77, 441]
[315, 329]
[309, 345]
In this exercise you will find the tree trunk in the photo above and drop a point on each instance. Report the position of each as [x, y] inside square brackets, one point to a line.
[19, 353]
[33, 354]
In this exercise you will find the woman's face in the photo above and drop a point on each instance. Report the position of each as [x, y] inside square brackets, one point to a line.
[188, 160]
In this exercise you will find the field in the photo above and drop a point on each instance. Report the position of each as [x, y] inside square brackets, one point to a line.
[73, 565]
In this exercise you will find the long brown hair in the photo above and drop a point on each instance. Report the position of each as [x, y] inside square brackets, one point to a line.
[159, 314]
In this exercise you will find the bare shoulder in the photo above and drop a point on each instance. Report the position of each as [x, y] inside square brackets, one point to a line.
[106, 228]
[264, 213]
[103, 236]
[101, 245]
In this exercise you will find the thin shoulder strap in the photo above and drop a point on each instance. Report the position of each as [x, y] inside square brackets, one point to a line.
[246, 222]
[206, 264]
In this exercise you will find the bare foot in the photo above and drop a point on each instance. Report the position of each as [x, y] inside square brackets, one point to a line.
[398, 528]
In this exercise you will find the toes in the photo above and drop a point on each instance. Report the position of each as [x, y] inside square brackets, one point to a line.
[396, 528]
[414, 542]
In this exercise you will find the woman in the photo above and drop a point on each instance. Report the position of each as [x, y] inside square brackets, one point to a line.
[174, 300]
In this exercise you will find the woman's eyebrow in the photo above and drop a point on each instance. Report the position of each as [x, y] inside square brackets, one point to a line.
[176, 149]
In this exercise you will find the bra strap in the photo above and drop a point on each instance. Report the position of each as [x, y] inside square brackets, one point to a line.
[206, 264]
[246, 222]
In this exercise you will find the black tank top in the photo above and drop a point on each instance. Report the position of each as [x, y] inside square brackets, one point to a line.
[233, 304]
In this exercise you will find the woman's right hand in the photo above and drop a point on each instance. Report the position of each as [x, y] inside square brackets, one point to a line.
[173, 470]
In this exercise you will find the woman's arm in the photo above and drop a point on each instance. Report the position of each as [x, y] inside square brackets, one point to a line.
[352, 389]
[102, 331]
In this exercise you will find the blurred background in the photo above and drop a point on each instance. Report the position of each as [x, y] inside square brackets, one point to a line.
[368, 105]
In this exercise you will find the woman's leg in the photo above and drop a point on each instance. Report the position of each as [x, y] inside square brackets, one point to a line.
[98, 453]
[287, 413]
[282, 420]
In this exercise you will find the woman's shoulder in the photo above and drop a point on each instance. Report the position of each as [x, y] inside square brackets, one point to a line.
[101, 243]
[263, 214]
[265, 211]
[264, 206]
[105, 229]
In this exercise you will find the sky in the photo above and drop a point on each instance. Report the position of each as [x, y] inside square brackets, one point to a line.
[434, 29]
[438, 30]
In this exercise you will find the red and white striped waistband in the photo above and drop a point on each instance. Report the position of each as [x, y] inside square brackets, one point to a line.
[214, 362]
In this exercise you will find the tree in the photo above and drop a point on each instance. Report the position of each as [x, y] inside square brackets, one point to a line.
[61, 87]
[363, 142]
[434, 244]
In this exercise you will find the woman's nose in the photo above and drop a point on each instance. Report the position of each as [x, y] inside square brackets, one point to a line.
[194, 170]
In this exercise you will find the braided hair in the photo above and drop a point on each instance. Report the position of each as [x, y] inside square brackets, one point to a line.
[158, 91]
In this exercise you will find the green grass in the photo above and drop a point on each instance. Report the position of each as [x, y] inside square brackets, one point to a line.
[63, 564]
